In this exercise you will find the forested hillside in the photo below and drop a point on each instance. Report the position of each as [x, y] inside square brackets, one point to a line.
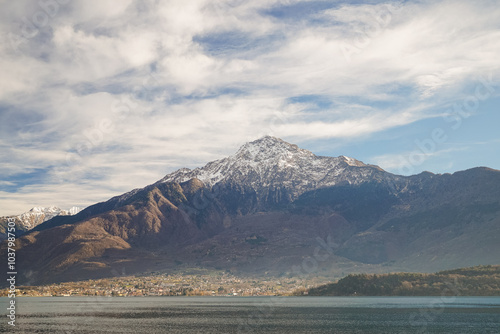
[474, 281]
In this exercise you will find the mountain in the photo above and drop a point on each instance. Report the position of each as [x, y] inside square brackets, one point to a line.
[271, 163]
[275, 209]
[32, 218]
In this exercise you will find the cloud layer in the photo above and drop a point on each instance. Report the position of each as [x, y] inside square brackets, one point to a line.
[99, 97]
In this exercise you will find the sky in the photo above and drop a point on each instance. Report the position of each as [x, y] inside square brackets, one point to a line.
[98, 97]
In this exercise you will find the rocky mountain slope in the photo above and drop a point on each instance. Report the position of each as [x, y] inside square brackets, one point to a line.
[275, 209]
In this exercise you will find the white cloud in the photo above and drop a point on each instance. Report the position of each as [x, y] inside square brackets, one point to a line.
[150, 69]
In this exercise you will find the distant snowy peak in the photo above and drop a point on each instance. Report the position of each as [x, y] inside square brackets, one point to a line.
[39, 215]
[74, 210]
[51, 210]
[270, 161]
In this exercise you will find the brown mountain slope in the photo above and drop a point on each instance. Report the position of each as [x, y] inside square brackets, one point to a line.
[90, 247]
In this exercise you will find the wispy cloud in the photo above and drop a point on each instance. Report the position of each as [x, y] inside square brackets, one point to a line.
[105, 96]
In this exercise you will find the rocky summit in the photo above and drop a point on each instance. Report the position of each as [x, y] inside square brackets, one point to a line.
[273, 208]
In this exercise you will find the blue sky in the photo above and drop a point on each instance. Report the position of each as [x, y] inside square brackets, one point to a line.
[100, 97]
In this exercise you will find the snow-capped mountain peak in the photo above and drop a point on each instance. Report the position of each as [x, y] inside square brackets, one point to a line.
[272, 162]
[37, 215]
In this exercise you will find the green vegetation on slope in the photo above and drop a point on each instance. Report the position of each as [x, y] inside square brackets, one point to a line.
[474, 281]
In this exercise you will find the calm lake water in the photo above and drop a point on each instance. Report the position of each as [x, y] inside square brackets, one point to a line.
[255, 315]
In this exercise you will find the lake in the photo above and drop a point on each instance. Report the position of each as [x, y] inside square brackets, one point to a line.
[255, 315]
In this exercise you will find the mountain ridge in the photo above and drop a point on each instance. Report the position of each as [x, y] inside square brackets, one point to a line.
[262, 211]
[272, 162]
